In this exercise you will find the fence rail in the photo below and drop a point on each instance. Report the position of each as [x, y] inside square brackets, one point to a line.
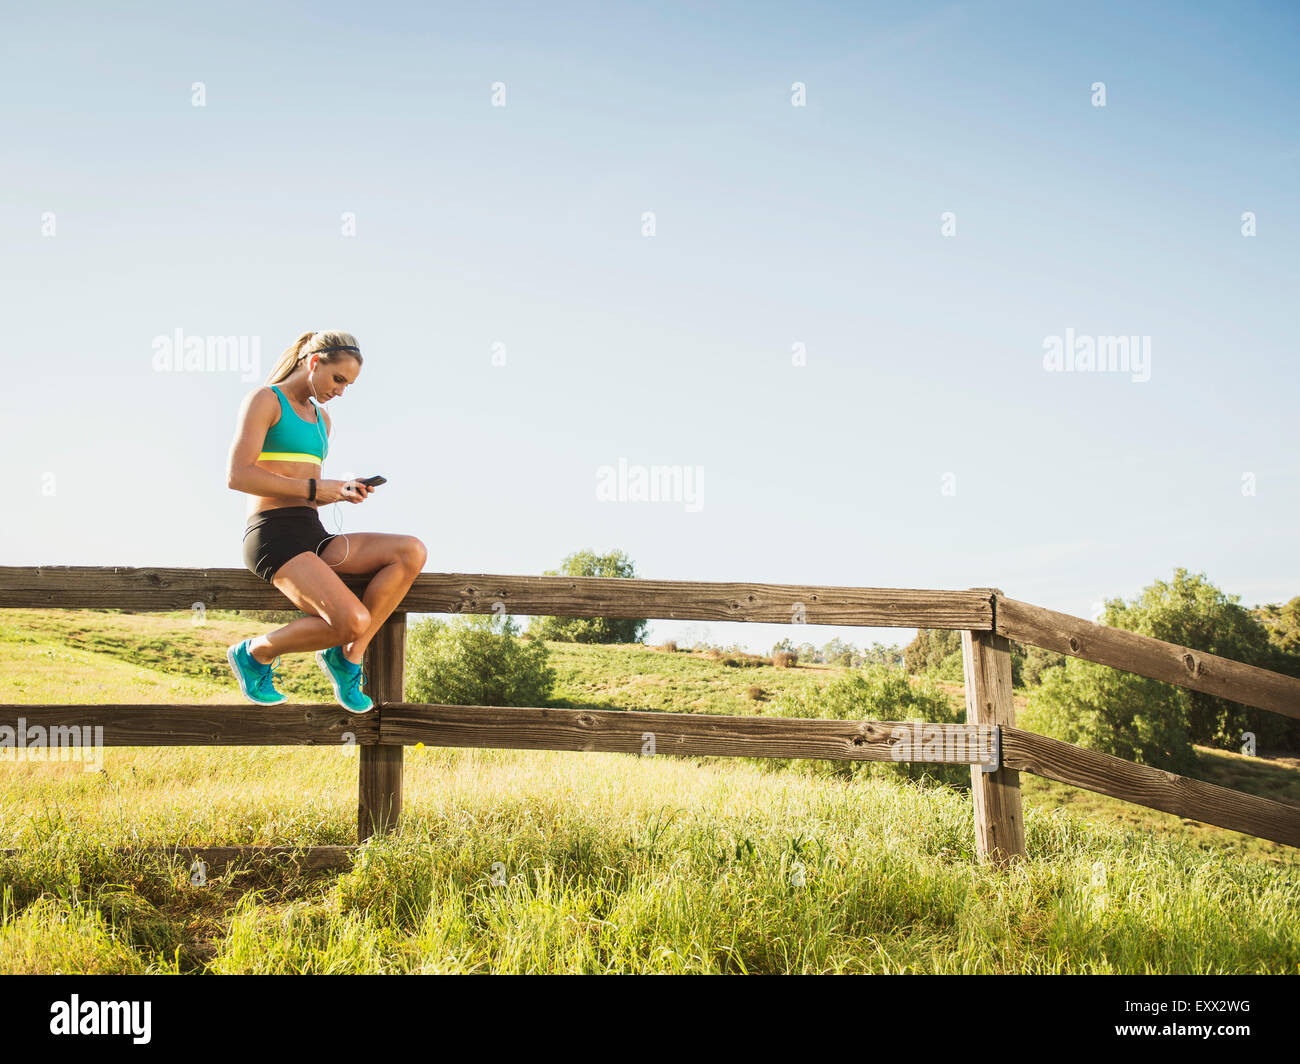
[514, 728]
[989, 742]
[82, 587]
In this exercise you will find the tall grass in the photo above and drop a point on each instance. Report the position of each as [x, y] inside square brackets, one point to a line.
[553, 862]
[535, 861]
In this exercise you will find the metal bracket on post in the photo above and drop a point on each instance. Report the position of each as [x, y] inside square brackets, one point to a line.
[995, 749]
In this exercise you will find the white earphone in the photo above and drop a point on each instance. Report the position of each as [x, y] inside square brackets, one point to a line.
[324, 447]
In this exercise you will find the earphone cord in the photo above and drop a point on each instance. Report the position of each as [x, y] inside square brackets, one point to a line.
[324, 448]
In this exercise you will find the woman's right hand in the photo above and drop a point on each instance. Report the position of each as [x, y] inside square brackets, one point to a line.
[328, 491]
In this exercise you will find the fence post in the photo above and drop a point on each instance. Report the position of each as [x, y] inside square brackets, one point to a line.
[379, 784]
[999, 821]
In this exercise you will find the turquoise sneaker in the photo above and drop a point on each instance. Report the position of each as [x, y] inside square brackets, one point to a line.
[346, 679]
[256, 680]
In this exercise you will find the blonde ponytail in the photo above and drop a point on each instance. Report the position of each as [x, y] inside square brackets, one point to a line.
[309, 343]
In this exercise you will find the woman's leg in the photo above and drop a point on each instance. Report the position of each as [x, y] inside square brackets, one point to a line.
[315, 588]
[312, 584]
[306, 633]
[394, 559]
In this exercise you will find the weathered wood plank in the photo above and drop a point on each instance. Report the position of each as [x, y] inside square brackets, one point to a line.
[1193, 669]
[643, 733]
[1151, 787]
[305, 724]
[999, 819]
[379, 779]
[522, 728]
[379, 790]
[67, 586]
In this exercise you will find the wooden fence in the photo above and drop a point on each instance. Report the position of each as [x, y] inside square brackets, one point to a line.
[989, 741]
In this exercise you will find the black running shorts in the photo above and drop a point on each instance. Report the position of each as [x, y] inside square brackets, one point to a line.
[274, 536]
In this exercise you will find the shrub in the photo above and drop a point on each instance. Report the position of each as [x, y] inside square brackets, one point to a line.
[1114, 712]
[471, 661]
[878, 692]
[784, 659]
[951, 669]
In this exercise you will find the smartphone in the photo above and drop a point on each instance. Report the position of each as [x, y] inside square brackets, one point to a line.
[372, 482]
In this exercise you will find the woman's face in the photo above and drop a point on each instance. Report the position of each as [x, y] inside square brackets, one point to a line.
[330, 378]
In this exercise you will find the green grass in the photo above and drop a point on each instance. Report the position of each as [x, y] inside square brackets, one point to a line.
[523, 861]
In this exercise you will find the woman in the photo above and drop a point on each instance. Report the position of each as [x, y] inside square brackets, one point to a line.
[280, 444]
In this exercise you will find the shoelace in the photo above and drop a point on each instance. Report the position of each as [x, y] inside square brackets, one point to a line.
[355, 680]
[266, 682]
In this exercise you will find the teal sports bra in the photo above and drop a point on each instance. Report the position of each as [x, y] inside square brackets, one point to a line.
[293, 438]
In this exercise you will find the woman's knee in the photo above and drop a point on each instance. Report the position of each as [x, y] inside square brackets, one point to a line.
[354, 623]
[413, 553]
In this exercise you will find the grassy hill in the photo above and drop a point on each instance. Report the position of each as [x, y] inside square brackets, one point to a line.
[552, 861]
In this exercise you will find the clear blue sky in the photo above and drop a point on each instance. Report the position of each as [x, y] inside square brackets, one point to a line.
[775, 225]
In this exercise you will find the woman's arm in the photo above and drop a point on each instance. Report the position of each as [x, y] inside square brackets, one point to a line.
[255, 417]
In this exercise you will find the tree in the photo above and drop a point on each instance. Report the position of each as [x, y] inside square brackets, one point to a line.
[1028, 663]
[1282, 624]
[879, 654]
[476, 661]
[1156, 723]
[1190, 611]
[838, 652]
[615, 565]
[928, 650]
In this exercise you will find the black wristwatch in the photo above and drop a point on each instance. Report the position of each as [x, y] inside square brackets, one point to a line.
[312, 495]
